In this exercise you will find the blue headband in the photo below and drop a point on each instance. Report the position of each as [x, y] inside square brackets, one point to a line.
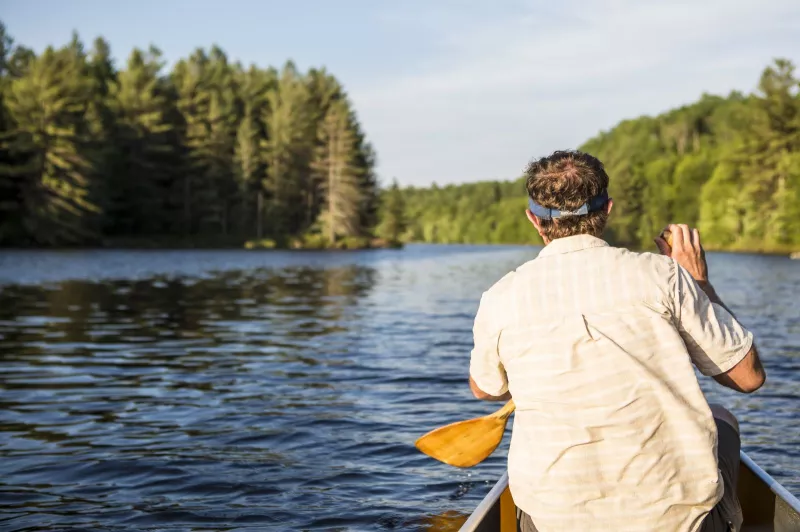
[595, 204]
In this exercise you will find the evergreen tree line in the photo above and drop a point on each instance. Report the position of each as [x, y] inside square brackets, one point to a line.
[210, 151]
[728, 165]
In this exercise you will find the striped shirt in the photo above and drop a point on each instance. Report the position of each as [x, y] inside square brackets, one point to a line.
[597, 345]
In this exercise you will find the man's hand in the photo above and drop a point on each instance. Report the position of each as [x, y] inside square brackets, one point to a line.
[686, 250]
[748, 375]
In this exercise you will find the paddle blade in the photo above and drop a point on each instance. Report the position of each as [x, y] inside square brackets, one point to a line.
[465, 443]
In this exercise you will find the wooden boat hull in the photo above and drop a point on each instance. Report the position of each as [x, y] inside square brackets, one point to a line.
[767, 506]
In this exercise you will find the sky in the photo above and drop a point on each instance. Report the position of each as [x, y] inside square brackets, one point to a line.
[458, 91]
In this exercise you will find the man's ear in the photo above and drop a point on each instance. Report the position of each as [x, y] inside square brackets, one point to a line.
[609, 205]
[532, 218]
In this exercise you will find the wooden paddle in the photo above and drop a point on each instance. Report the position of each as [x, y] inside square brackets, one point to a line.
[466, 443]
[667, 236]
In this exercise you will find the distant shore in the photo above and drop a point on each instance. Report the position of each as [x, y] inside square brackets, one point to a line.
[738, 249]
[345, 244]
[307, 242]
[320, 243]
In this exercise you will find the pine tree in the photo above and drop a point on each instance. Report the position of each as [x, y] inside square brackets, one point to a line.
[101, 66]
[99, 70]
[143, 172]
[335, 166]
[220, 144]
[393, 222]
[763, 153]
[248, 166]
[6, 49]
[323, 91]
[52, 142]
[287, 151]
[208, 105]
[14, 62]
[10, 206]
[365, 161]
[775, 163]
[249, 160]
[188, 78]
[210, 149]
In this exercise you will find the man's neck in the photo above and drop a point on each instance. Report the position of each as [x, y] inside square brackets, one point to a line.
[548, 241]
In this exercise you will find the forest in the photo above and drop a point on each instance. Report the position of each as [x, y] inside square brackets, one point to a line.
[211, 153]
[728, 165]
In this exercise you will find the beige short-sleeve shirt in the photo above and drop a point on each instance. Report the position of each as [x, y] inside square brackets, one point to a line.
[598, 345]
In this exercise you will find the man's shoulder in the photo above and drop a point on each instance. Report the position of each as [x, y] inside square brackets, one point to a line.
[505, 285]
[657, 263]
[619, 257]
[502, 286]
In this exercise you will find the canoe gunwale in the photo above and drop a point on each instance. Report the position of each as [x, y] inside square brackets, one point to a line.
[488, 503]
[774, 485]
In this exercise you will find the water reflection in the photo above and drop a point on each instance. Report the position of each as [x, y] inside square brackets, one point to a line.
[150, 388]
[450, 521]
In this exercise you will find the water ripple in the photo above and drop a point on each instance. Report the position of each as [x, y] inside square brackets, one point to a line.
[284, 391]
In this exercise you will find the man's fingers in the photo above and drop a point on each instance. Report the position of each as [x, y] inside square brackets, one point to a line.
[684, 237]
[677, 236]
[687, 235]
[696, 238]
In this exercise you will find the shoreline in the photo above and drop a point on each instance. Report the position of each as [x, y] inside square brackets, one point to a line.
[250, 245]
[235, 244]
[787, 252]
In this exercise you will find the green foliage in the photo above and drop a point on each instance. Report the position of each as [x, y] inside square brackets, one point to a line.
[310, 241]
[207, 152]
[730, 166]
[287, 149]
[336, 169]
[213, 152]
[393, 218]
[353, 242]
[52, 150]
[264, 243]
[480, 213]
[144, 160]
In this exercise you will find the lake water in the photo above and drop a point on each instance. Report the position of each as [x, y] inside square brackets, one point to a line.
[228, 390]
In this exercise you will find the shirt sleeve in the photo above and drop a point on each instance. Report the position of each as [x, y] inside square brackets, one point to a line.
[485, 367]
[716, 341]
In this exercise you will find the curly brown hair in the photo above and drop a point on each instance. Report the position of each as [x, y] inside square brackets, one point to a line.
[566, 180]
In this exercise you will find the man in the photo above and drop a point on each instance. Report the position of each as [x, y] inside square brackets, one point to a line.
[597, 346]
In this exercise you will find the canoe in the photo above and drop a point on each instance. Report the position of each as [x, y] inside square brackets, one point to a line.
[767, 506]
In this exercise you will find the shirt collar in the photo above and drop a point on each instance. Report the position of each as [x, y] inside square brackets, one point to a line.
[572, 243]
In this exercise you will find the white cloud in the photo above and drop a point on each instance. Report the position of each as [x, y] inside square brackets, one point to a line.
[498, 90]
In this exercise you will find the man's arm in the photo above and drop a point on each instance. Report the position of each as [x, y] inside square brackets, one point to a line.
[710, 329]
[480, 394]
[748, 375]
[706, 287]
[485, 366]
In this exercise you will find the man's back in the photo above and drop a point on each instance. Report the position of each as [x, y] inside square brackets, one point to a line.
[612, 431]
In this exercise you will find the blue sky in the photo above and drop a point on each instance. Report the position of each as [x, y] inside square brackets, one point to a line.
[455, 91]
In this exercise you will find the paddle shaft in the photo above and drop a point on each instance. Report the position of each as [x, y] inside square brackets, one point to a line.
[506, 411]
